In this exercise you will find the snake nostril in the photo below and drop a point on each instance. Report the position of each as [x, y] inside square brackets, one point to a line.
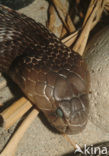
[76, 105]
[79, 112]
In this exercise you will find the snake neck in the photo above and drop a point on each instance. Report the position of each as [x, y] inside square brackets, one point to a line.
[21, 35]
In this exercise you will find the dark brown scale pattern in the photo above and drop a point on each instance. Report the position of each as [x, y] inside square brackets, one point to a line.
[52, 76]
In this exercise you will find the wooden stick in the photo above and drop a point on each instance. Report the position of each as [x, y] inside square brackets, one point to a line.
[15, 112]
[89, 11]
[63, 32]
[60, 8]
[67, 25]
[12, 145]
[107, 5]
[86, 28]
[68, 41]
[69, 140]
[88, 25]
[53, 18]
[70, 26]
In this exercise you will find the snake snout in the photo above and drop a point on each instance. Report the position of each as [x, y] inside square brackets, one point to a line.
[73, 108]
[75, 114]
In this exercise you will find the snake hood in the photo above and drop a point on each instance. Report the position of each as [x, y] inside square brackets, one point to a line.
[52, 76]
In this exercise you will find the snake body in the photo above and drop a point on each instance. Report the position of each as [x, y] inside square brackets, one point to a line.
[52, 76]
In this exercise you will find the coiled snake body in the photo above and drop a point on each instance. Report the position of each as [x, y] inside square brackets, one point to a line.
[52, 76]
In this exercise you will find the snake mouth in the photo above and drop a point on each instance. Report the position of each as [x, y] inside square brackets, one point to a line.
[65, 126]
[74, 129]
[71, 129]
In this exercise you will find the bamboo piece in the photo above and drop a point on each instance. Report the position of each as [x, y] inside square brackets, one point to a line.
[70, 26]
[63, 32]
[10, 149]
[15, 112]
[53, 19]
[107, 5]
[89, 11]
[59, 7]
[92, 12]
[88, 25]
[67, 25]
[69, 140]
[68, 41]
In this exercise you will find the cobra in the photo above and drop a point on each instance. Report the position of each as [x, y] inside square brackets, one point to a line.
[52, 76]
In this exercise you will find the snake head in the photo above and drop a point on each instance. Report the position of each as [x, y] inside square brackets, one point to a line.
[72, 104]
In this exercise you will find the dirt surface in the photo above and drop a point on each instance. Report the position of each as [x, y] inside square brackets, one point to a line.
[98, 63]
[39, 140]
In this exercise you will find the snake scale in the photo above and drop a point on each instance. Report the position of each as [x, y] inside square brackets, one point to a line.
[52, 76]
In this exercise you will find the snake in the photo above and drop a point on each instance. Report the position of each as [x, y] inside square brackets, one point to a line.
[51, 75]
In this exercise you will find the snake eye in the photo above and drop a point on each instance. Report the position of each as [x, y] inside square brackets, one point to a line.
[59, 112]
